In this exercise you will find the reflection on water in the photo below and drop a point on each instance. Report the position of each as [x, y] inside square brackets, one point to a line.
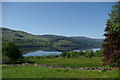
[43, 53]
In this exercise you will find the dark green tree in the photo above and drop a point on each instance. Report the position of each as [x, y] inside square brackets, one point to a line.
[11, 51]
[91, 54]
[111, 46]
[63, 54]
[81, 53]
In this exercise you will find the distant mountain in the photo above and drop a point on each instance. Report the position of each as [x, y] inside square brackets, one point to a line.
[75, 38]
[29, 42]
[79, 41]
[86, 39]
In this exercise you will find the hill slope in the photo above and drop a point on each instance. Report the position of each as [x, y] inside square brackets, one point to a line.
[79, 41]
[29, 42]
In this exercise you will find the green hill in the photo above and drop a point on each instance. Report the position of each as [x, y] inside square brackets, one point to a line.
[29, 42]
[76, 42]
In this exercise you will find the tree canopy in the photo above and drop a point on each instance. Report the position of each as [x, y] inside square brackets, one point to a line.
[114, 21]
[111, 46]
[10, 51]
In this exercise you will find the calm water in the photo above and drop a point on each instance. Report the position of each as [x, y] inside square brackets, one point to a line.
[43, 53]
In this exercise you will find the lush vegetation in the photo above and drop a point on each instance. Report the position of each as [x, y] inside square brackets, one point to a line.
[29, 42]
[44, 72]
[111, 46]
[41, 57]
[67, 58]
[69, 54]
[73, 62]
[75, 54]
[10, 52]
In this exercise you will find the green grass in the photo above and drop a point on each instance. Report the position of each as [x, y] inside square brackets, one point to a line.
[0, 71]
[44, 72]
[75, 62]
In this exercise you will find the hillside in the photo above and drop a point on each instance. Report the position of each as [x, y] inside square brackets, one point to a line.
[29, 42]
[24, 40]
[76, 41]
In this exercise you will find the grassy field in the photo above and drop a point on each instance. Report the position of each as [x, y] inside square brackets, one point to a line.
[44, 72]
[0, 71]
[75, 62]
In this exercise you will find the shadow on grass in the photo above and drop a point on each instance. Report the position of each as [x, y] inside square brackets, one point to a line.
[21, 62]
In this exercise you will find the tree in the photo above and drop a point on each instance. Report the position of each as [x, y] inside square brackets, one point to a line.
[91, 54]
[11, 51]
[81, 53]
[111, 46]
[5, 59]
[63, 54]
[98, 53]
[73, 54]
[86, 53]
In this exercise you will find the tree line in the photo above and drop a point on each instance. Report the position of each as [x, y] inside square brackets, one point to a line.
[75, 54]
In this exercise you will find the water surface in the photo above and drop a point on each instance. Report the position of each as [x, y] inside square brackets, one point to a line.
[43, 53]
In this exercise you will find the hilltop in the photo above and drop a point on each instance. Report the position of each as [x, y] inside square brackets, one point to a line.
[30, 42]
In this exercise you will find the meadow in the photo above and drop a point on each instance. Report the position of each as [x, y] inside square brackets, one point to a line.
[71, 62]
[31, 71]
[44, 72]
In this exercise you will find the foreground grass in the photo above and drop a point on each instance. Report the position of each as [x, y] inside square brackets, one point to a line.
[0, 71]
[75, 62]
[44, 72]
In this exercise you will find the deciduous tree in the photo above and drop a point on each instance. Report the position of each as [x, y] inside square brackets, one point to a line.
[111, 46]
[11, 51]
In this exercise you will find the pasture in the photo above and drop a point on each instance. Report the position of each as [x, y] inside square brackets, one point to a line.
[31, 71]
